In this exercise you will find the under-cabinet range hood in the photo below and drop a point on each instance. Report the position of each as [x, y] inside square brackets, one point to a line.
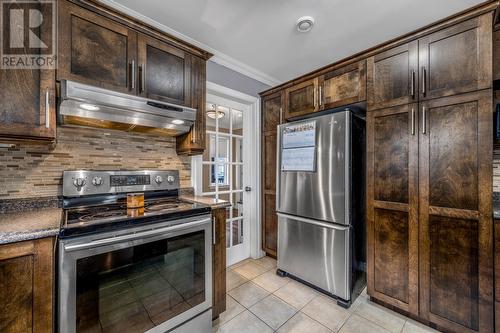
[84, 105]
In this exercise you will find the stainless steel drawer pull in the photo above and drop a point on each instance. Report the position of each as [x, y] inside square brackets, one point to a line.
[132, 84]
[142, 83]
[412, 121]
[47, 108]
[214, 235]
[424, 79]
[412, 84]
[424, 116]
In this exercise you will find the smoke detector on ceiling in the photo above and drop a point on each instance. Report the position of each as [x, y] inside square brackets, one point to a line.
[305, 23]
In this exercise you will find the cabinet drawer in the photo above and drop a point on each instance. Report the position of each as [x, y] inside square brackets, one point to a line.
[346, 85]
[301, 99]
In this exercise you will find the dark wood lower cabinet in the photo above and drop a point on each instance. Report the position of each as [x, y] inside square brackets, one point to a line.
[429, 171]
[219, 262]
[272, 116]
[456, 232]
[26, 286]
[392, 249]
[497, 275]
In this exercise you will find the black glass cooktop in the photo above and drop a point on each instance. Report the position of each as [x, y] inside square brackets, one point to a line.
[97, 218]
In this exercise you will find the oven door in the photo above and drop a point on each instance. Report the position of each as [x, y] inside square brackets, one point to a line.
[152, 278]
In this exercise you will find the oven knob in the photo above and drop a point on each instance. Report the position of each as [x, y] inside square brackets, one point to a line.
[158, 180]
[97, 181]
[170, 179]
[79, 182]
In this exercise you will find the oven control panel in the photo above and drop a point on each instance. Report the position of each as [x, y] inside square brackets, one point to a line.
[87, 182]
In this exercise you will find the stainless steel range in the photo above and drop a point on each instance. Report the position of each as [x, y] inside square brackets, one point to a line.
[122, 272]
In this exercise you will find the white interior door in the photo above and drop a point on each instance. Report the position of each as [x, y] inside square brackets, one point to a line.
[226, 170]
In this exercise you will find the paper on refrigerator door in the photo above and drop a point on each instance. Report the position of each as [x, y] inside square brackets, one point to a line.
[298, 159]
[299, 135]
[298, 151]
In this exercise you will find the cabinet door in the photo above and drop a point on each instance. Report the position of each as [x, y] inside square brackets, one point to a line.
[193, 143]
[392, 77]
[497, 275]
[343, 86]
[456, 240]
[301, 99]
[26, 286]
[95, 50]
[27, 107]
[219, 262]
[456, 60]
[392, 206]
[164, 71]
[271, 118]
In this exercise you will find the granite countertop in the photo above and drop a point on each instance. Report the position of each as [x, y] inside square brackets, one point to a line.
[25, 219]
[213, 203]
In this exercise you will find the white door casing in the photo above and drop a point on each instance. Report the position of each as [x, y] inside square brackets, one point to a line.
[230, 99]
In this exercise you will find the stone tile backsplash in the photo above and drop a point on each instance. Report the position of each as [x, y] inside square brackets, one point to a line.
[35, 170]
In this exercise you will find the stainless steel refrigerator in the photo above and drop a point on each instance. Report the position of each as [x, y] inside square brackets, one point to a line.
[321, 202]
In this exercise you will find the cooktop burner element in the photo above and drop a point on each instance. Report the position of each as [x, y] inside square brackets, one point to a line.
[92, 206]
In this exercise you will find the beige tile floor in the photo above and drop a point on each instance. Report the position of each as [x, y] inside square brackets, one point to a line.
[259, 301]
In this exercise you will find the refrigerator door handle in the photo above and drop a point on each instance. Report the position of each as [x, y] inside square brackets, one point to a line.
[315, 222]
[278, 167]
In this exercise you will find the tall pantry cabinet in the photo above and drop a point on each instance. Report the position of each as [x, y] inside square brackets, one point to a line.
[429, 160]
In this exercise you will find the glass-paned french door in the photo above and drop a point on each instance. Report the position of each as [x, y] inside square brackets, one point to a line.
[223, 167]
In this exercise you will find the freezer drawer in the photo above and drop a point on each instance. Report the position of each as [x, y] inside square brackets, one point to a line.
[316, 252]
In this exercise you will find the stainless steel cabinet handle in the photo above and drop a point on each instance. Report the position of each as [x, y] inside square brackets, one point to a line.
[142, 83]
[315, 97]
[412, 84]
[424, 116]
[424, 79]
[214, 231]
[47, 109]
[412, 121]
[132, 84]
[320, 95]
[193, 134]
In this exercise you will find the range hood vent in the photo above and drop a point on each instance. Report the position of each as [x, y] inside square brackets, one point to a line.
[84, 105]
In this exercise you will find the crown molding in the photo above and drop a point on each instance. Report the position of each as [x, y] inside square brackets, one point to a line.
[219, 57]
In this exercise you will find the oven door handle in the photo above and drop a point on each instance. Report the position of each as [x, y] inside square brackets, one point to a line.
[134, 236]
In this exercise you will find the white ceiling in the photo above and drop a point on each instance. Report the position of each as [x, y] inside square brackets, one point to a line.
[258, 37]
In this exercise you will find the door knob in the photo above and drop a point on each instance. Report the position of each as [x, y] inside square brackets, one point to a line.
[248, 189]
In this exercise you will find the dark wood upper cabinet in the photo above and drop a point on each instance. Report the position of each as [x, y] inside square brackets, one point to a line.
[26, 286]
[456, 233]
[164, 71]
[496, 56]
[393, 77]
[456, 60]
[27, 98]
[301, 99]
[95, 50]
[193, 143]
[27, 108]
[343, 86]
[271, 117]
[392, 206]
